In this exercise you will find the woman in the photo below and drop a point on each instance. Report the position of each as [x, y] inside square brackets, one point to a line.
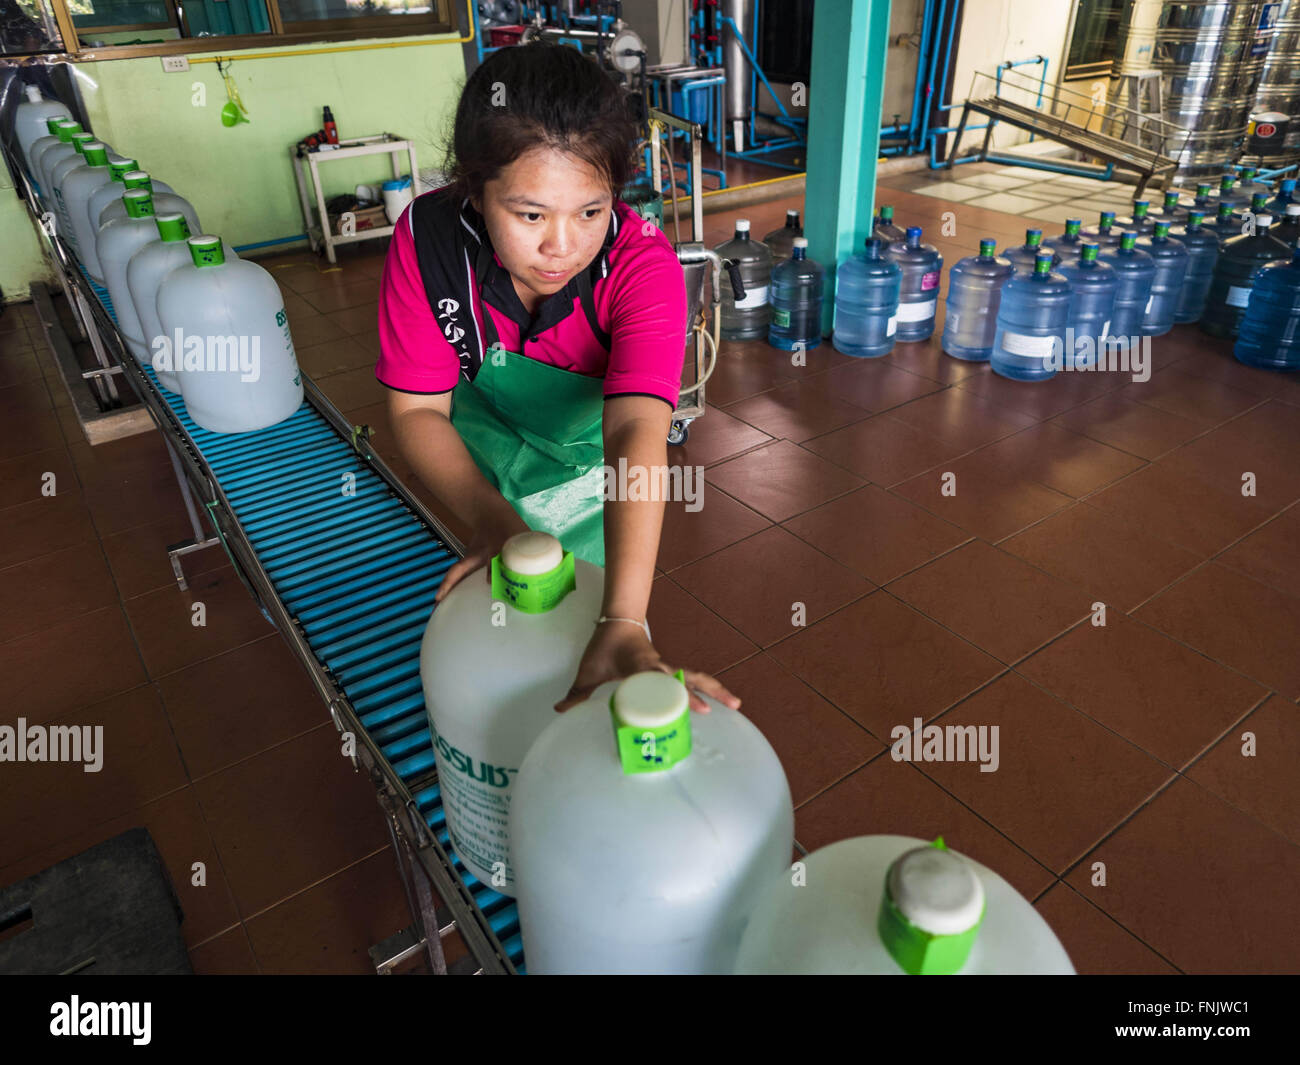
[532, 330]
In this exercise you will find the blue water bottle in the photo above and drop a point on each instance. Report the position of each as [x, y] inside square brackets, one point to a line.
[974, 295]
[1285, 195]
[1025, 257]
[918, 296]
[1268, 337]
[866, 303]
[1070, 243]
[796, 301]
[1202, 254]
[1032, 320]
[1105, 233]
[1166, 283]
[1092, 302]
[1135, 269]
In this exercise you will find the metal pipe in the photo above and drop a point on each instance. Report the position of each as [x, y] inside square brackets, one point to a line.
[929, 80]
[918, 76]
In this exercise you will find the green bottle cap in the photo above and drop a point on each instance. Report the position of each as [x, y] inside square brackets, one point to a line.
[1226, 183]
[1140, 209]
[988, 248]
[137, 179]
[1248, 175]
[1171, 200]
[1128, 241]
[1033, 238]
[53, 124]
[930, 911]
[1089, 253]
[1202, 191]
[67, 130]
[533, 573]
[1107, 219]
[96, 154]
[206, 250]
[80, 140]
[1225, 212]
[1072, 226]
[1194, 219]
[886, 213]
[118, 167]
[1162, 230]
[173, 228]
[139, 203]
[1042, 264]
[1259, 201]
[651, 715]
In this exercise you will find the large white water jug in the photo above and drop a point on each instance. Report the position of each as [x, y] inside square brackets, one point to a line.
[145, 273]
[238, 371]
[118, 241]
[496, 658]
[643, 834]
[45, 151]
[59, 170]
[165, 200]
[78, 187]
[31, 122]
[118, 168]
[878, 905]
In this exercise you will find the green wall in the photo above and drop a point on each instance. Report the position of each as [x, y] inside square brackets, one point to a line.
[240, 178]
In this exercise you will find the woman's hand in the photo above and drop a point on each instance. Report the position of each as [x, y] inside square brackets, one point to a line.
[617, 650]
[486, 545]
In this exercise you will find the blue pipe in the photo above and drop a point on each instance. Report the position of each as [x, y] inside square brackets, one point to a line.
[929, 79]
[269, 243]
[1059, 168]
[920, 72]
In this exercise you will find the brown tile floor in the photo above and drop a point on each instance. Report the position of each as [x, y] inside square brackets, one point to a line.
[1146, 794]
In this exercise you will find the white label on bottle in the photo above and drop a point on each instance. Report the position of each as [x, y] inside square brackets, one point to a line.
[755, 296]
[916, 312]
[1021, 344]
[1237, 297]
[891, 327]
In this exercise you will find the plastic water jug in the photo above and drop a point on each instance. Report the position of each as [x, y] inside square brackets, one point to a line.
[1070, 243]
[895, 905]
[1248, 181]
[1140, 221]
[884, 229]
[59, 171]
[1167, 283]
[1134, 270]
[78, 187]
[145, 273]
[239, 370]
[1228, 193]
[64, 131]
[1105, 233]
[39, 146]
[780, 242]
[164, 198]
[1226, 223]
[918, 296]
[118, 241]
[1169, 211]
[1025, 257]
[1092, 303]
[1202, 202]
[1202, 253]
[495, 660]
[797, 286]
[1030, 341]
[643, 834]
[32, 119]
[1269, 337]
[974, 296]
[747, 318]
[1285, 195]
[1240, 260]
[118, 168]
[866, 303]
[397, 194]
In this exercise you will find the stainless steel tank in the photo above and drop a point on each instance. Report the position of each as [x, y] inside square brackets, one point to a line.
[1279, 89]
[1210, 55]
[737, 67]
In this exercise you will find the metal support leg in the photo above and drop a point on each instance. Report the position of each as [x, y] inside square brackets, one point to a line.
[956, 143]
[105, 381]
[200, 541]
[426, 933]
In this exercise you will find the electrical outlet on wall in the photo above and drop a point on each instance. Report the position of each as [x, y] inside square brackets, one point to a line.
[174, 64]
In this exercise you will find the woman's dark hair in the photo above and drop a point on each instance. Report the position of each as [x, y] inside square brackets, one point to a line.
[539, 95]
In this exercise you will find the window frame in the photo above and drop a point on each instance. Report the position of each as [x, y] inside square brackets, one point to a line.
[442, 20]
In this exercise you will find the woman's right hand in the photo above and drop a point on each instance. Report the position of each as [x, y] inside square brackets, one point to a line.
[485, 545]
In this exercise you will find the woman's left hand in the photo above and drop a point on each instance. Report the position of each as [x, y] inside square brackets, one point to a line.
[618, 650]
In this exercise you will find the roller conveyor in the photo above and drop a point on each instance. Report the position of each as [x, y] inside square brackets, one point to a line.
[345, 562]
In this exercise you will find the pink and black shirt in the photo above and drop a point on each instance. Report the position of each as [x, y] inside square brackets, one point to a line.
[445, 299]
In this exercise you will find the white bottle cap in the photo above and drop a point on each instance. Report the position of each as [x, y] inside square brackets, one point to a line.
[91, 146]
[1264, 219]
[742, 225]
[1293, 208]
[532, 553]
[650, 700]
[33, 94]
[937, 891]
[800, 242]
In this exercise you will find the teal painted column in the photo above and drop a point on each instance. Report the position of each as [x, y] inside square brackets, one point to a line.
[845, 94]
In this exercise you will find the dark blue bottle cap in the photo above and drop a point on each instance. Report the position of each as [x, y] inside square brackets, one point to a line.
[873, 248]
[913, 233]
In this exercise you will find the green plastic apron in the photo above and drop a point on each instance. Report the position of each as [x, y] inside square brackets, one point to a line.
[535, 432]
